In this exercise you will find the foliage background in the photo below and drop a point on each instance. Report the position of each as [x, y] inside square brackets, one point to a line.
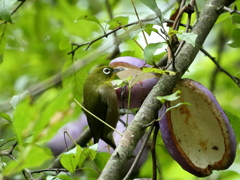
[37, 46]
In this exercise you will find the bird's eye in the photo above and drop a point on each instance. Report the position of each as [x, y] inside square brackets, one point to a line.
[106, 70]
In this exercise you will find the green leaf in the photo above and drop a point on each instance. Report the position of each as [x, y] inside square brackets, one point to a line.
[117, 22]
[6, 117]
[16, 99]
[188, 37]
[149, 51]
[170, 97]
[6, 9]
[153, 6]
[90, 153]
[70, 159]
[132, 34]
[23, 119]
[127, 53]
[94, 147]
[235, 19]
[172, 32]
[53, 114]
[92, 18]
[89, 18]
[27, 159]
[149, 29]
[159, 71]
[64, 44]
[101, 159]
[177, 105]
[2, 44]
[235, 38]
[235, 122]
[63, 176]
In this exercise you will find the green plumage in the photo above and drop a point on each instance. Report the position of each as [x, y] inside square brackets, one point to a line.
[99, 98]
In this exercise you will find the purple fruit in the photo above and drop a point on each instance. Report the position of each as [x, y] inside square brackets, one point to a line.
[143, 83]
[198, 136]
[57, 144]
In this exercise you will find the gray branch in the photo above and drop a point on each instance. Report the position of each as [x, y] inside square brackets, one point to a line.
[151, 105]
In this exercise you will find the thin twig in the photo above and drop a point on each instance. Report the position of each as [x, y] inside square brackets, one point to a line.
[139, 153]
[116, 40]
[57, 170]
[153, 151]
[175, 26]
[231, 11]
[135, 10]
[22, 1]
[194, 4]
[234, 78]
[106, 35]
[220, 49]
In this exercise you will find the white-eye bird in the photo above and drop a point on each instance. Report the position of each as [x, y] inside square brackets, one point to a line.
[100, 99]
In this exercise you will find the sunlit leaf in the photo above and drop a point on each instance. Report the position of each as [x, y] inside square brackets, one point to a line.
[235, 19]
[54, 112]
[6, 117]
[27, 159]
[159, 71]
[153, 6]
[117, 22]
[127, 53]
[6, 7]
[63, 177]
[16, 99]
[101, 159]
[149, 51]
[64, 44]
[172, 32]
[149, 29]
[177, 105]
[171, 97]
[235, 38]
[188, 37]
[90, 153]
[70, 159]
[2, 44]
[23, 119]
[89, 18]
[235, 122]
[92, 18]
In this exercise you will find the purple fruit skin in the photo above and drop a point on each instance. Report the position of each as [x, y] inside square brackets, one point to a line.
[169, 142]
[57, 143]
[140, 90]
[138, 93]
[130, 60]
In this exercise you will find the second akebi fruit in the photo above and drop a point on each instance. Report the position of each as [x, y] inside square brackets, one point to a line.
[198, 136]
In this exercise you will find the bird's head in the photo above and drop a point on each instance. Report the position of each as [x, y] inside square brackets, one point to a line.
[105, 73]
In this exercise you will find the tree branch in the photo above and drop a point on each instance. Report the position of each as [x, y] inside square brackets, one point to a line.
[164, 86]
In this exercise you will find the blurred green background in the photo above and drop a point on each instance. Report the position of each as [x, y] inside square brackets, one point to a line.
[37, 44]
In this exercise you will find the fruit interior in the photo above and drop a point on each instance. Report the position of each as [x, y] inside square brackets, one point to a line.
[197, 131]
[131, 70]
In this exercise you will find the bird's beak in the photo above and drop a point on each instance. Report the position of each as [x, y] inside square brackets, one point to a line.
[118, 69]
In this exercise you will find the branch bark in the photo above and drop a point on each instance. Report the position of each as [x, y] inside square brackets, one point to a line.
[164, 86]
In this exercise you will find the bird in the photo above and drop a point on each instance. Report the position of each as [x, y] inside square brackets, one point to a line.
[99, 97]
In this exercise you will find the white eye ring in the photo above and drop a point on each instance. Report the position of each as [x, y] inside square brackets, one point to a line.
[106, 70]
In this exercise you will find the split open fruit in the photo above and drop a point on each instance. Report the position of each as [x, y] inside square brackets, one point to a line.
[198, 136]
[142, 82]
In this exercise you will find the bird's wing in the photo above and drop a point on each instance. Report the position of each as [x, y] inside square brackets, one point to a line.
[94, 104]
